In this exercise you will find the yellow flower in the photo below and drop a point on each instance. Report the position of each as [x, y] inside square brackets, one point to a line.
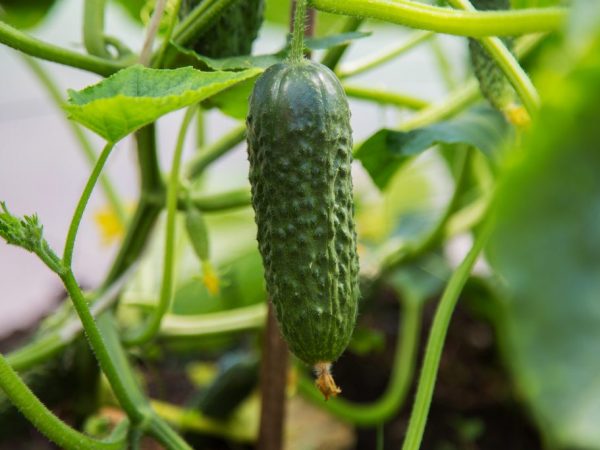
[111, 227]
[210, 278]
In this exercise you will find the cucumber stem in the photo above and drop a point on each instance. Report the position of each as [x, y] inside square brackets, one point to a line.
[297, 47]
[325, 381]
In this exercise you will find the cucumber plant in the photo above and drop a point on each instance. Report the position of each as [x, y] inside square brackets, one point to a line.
[297, 249]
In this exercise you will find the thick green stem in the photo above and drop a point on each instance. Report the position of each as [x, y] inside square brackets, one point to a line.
[83, 200]
[402, 372]
[214, 151]
[93, 28]
[334, 55]
[90, 154]
[297, 46]
[370, 62]
[128, 394]
[508, 63]
[149, 330]
[34, 47]
[45, 421]
[150, 175]
[385, 97]
[462, 23]
[239, 198]
[435, 343]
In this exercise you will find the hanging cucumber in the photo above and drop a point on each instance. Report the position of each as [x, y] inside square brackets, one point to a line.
[233, 32]
[300, 152]
[197, 231]
[493, 84]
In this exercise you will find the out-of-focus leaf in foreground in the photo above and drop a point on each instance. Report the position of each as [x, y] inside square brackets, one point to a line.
[546, 250]
[137, 96]
[24, 13]
[388, 150]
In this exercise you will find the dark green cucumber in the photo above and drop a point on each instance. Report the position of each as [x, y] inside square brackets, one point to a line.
[493, 84]
[233, 32]
[300, 152]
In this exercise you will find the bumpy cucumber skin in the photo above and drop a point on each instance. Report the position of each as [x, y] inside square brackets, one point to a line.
[234, 31]
[300, 152]
[494, 85]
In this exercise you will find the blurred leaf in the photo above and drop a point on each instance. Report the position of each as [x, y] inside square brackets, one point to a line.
[366, 340]
[137, 96]
[334, 40]
[233, 101]
[421, 280]
[24, 13]
[546, 248]
[517, 4]
[388, 150]
[278, 12]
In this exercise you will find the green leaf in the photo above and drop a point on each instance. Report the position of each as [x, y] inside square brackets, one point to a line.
[388, 150]
[334, 40]
[137, 96]
[546, 248]
[233, 101]
[24, 13]
[188, 57]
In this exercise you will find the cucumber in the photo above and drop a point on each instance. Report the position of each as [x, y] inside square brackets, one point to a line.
[233, 32]
[300, 152]
[493, 84]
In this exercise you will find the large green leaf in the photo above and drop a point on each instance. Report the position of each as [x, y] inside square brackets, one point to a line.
[137, 96]
[388, 150]
[546, 248]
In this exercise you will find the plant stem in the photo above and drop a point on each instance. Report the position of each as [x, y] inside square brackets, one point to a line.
[508, 63]
[334, 55]
[149, 330]
[273, 374]
[83, 200]
[455, 102]
[135, 407]
[370, 62]
[239, 198]
[146, 53]
[159, 58]
[297, 46]
[107, 186]
[203, 158]
[93, 28]
[475, 24]
[34, 47]
[366, 415]
[243, 318]
[385, 97]
[45, 421]
[52, 342]
[159, 429]
[443, 64]
[435, 343]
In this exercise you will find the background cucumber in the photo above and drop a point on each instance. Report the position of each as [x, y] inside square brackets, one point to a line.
[300, 152]
[233, 32]
[493, 84]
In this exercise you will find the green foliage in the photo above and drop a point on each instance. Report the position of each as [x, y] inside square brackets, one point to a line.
[385, 152]
[546, 248]
[137, 96]
[25, 13]
[302, 196]
[27, 233]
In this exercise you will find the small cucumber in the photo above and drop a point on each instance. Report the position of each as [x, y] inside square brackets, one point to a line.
[233, 32]
[493, 84]
[300, 152]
